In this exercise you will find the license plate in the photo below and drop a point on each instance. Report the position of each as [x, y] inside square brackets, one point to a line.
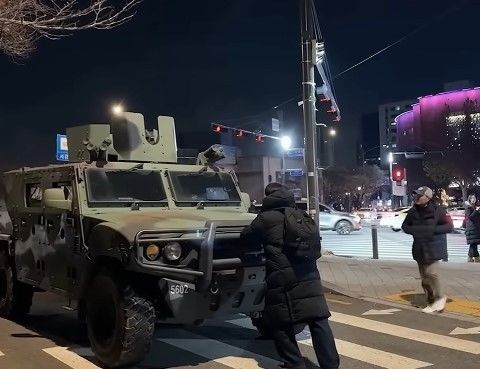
[179, 289]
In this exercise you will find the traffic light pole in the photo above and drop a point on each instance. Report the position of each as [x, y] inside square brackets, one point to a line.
[309, 115]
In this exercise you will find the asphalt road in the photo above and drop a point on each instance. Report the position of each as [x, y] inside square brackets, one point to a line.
[51, 338]
[391, 245]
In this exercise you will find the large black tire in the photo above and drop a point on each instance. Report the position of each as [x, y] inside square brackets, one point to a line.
[15, 296]
[120, 323]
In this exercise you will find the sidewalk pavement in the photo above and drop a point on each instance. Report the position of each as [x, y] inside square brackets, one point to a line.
[399, 281]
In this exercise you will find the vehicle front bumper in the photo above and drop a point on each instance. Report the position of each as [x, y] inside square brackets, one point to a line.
[231, 292]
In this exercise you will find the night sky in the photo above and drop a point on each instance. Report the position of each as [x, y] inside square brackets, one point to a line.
[212, 60]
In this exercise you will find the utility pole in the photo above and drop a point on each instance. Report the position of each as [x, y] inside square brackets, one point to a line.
[309, 56]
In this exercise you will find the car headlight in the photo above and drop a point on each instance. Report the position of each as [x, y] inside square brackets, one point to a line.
[152, 251]
[172, 251]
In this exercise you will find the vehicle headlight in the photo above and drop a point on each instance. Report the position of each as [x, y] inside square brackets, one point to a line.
[172, 251]
[152, 251]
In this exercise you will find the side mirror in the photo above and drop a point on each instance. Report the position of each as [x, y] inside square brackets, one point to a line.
[55, 198]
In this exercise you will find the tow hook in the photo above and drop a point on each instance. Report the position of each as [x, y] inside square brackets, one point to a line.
[214, 289]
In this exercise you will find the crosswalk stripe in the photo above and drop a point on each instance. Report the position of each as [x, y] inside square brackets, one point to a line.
[408, 333]
[366, 354]
[1, 353]
[219, 352]
[370, 355]
[70, 358]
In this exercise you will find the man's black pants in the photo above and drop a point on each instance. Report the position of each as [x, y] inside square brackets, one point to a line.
[323, 343]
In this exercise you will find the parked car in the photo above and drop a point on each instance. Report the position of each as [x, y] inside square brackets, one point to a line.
[330, 219]
[342, 223]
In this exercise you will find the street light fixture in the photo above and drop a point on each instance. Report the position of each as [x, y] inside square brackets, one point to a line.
[286, 142]
[117, 109]
[333, 132]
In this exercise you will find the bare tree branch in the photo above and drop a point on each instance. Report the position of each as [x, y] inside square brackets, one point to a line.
[24, 22]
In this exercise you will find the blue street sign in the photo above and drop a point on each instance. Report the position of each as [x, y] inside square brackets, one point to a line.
[295, 172]
[62, 148]
[295, 153]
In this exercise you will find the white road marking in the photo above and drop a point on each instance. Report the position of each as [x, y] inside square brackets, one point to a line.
[370, 355]
[459, 330]
[1, 353]
[407, 333]
[70, 358]
[381, 312]
[222, 353]
[366, 354]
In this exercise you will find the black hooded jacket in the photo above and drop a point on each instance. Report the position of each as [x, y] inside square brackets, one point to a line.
[294, 291]
[429, 226]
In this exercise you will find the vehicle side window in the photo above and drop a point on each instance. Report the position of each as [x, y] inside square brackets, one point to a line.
[323, 209]
[33, 194]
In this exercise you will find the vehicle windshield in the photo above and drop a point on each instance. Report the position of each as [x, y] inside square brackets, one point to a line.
[208, 187]
[124, 187]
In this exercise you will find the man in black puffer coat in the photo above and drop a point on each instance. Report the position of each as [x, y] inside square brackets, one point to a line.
[472, 228]
[294, 290]
[429, 225]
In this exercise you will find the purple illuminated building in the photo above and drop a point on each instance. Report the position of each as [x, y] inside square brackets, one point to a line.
[437, 124]
[437, 121]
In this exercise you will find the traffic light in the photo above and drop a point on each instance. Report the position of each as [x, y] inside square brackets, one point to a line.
[332, 110]
[239, 133]
[323, 98]
[219, 128]
[259, 138]
[398, 173]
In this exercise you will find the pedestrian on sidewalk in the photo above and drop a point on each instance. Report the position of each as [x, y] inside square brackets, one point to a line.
[294, 293]
[472, 228]
[429, 225]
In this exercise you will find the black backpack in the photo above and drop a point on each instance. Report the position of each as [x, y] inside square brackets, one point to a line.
[302, 241]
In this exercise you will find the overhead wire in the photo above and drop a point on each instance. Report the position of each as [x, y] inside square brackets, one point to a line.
[406, 36]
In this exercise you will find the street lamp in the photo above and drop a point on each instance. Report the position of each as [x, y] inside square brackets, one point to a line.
[332, 132]
[117, 109]
[286, 142]
[390, 157]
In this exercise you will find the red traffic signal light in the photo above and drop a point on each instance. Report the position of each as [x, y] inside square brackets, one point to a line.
[332, 110]
[239, 133]
[323, 98]
[398, 173]
[260, 138]
[219, 128]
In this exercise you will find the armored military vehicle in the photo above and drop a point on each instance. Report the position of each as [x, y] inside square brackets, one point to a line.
[129, 237]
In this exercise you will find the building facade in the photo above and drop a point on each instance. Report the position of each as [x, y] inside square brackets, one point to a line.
[387, 128]
[436, 122]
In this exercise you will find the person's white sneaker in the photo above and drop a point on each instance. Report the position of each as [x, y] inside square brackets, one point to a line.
[428, 309]
[439, 305]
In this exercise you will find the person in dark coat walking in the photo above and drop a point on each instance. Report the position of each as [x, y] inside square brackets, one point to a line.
[429, 225]
[294, 292]
[472, 228]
